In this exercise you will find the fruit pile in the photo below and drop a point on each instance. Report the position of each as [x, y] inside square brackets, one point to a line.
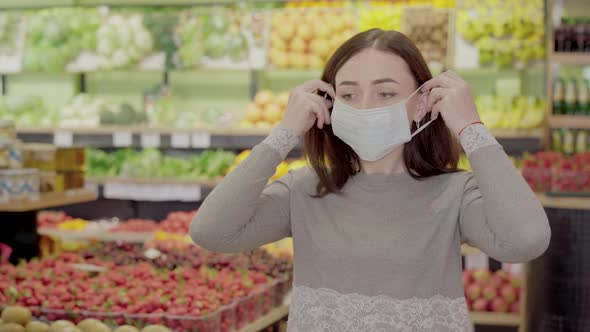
[552, 171]
[51, 219]
[428, 27]
[306, 38]
[282, 169]
[216, 293]
[522, 112]
[486, 291]
[20, 319]
[504, 34]
[384, 16]
[135, 226]
[266, 110]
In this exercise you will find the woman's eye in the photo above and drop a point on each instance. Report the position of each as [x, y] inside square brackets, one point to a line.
[346, 96]
[386, 94]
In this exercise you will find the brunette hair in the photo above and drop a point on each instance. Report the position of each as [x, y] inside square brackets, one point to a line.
[433, 152]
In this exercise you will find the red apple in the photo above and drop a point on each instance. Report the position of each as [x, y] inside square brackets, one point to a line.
[473, 291]
[515, 307]
[480, 305]
[496, 281]
[489, 292]
[481, 275]
[503, 274]
[467, 277]
[508, 293]
[516, 281]
[498, 305]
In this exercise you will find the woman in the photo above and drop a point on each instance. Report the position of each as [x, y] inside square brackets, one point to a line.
[378, 220]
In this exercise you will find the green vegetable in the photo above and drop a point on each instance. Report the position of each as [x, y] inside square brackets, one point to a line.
[215, 45]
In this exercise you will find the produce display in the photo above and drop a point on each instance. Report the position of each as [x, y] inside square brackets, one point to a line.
[383, 16]
[218, 38]
[55, 37]
[266, 110]
[554, 172]
[186, 290]
[307, 38]
[522, 112]
[25, 110]
[51, 219]
[498, 291]
[135, 226]
[9, 29]
[282, 169]
[428, 27]
[504, 34]
[150, 163]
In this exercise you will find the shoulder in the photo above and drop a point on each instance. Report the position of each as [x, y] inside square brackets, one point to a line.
[302, 179]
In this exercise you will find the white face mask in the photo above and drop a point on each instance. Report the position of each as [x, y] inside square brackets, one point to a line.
[375, 132]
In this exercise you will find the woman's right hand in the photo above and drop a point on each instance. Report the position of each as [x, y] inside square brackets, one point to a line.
[305, 107]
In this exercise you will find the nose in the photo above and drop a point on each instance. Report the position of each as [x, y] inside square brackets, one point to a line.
[367, 102]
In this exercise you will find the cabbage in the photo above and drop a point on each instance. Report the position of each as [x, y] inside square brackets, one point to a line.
[215, 45]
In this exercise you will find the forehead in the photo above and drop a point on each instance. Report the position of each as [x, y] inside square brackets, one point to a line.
[372, 64]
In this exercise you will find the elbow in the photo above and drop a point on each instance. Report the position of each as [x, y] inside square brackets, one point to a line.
[208, 239]
[532, 244]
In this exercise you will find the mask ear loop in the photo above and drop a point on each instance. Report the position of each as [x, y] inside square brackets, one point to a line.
[420, 127]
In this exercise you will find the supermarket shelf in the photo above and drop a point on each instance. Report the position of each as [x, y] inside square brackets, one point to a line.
[155, 181]
[50, 200]
[104, 236]
[469, 251]
[574, 203]
[269, 319]
[570, 121]
[571, 58]
[494, 318]
[17, 4]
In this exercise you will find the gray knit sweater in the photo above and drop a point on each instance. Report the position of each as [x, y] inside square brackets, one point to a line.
[383, 255]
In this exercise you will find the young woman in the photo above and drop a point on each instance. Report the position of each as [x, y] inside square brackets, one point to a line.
[379, 218]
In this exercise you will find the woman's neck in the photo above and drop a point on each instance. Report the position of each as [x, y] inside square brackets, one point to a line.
[392, 163]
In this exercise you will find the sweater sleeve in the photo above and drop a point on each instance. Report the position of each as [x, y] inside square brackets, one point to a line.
[500, 214]
[244, 212]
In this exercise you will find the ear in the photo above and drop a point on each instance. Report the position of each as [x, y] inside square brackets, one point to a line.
[421, 106]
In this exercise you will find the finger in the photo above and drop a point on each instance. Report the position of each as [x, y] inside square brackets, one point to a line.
[435, 111]
[320, 115]
[324, 105]
[317, 84]
[454, 76]
[435, 95]
[440, 81]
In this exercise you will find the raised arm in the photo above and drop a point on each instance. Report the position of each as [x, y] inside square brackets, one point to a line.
[500, 214]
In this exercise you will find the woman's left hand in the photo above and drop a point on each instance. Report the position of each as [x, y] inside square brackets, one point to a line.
[450, 96]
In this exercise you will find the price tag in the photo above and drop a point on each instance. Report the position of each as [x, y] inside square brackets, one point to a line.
[122, 139]
[63, 139]
[201, 140]
[152, 253]
[150, 140]
[180, 140]
[476, 262]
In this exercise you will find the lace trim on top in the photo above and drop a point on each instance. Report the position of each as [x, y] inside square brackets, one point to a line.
[282, 140]
[326, 310]
[476, 136]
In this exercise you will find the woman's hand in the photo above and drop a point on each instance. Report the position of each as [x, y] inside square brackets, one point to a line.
[450, 96]
[305, 107]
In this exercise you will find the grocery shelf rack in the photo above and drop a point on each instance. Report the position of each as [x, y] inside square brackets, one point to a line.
[19, 219]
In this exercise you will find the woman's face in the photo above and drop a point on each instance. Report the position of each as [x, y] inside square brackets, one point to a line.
[374, 78]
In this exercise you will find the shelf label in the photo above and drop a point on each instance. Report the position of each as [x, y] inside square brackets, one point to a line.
[150, 140]
[152, 192]
[477, 262]
[63, 139]
[201, 140]
[122, 139]
[180, 140]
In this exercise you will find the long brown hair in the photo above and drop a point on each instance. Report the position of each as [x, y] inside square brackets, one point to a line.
[431, 153]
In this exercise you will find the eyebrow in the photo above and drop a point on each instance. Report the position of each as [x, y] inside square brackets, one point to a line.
[377, 81]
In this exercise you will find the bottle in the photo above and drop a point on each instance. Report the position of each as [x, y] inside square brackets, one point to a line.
[586, 84]
[581, 140]
[568, 141]
[587, 36]
[582, 98]
[579, 35]
[570, 97]
[557, 140]
[559, 37]
[569, 37]
[558, 96]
